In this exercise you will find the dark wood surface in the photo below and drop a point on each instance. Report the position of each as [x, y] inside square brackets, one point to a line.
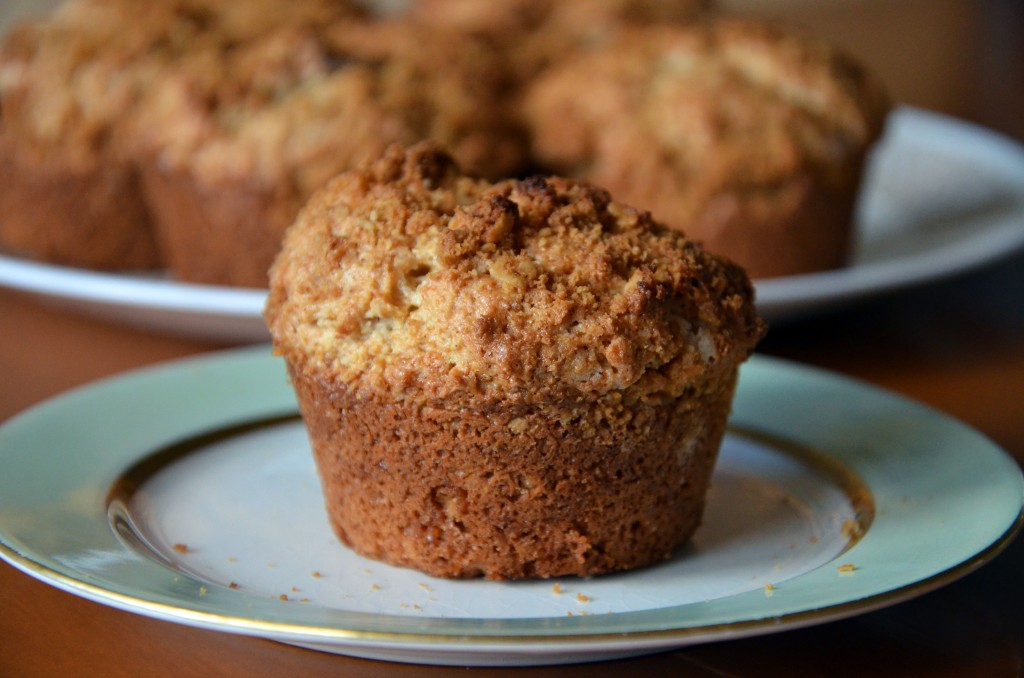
[957, 345]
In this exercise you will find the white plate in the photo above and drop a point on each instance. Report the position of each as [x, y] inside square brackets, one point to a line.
[941, 197]
[186, 492]
[148, 301]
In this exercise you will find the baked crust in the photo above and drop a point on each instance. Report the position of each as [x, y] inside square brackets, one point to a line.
[748, 137]
[509, 492]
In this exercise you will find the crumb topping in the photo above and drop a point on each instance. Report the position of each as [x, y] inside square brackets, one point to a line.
[409, 277]
[306, 101]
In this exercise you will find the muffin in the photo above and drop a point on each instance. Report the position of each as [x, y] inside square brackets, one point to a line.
[748, 137]
[509, 380]
[71, 86]
[238, 139]
[68, 193]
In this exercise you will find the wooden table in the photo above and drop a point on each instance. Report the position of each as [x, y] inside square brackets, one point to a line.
[957, 345]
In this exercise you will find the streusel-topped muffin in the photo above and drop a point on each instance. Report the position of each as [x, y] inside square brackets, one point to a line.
[521, 379]
[749, 137]
[71, 85]
[68, 193]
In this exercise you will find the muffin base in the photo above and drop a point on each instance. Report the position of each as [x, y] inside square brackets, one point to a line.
[514, 491]
[227, 234]
[91, 216]
[799, 227]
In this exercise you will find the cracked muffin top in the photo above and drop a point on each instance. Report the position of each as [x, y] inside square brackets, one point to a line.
[408, 279]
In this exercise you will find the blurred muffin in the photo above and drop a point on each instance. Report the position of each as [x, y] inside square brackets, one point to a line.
[536, 33]
[521, 379]
[70, 88]
[748, 137]
[68, 193]
[239, 138]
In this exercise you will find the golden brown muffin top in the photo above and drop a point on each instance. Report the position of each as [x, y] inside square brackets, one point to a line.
[727, 102]
[407, 278]
[71, 79]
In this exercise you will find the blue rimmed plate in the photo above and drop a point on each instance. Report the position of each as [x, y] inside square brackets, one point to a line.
[186, 492]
